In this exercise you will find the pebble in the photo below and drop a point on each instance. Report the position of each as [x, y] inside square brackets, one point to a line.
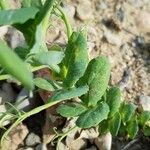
[25, 103]
[16, 137]
[70, 11]
[15, 38]
[3, 31]
[91, 148]
[142, 21]
[144, 101]
[84, 10]
[75, 144]
[32, 140]
[113, 38]
[41, 147]
[7, 93]
[104, 142]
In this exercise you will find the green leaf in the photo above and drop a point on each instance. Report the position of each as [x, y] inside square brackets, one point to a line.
[39, 45]
[29, 3]
[48, 58]
[132, 128]
[75, 60]
[94, 116]
[114, 124]
[44, 84]
[67, 94]
[146, 130]
[144, 117]
[113, 99]
[103, 127]
[127, 111]
[71, 110]
[9, 17]
[22, 52]
[34, 29]
[15, 66]
[96, 76]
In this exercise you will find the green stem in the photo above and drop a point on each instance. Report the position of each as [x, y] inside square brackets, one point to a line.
[26, 115]
[7, 76]
[4, 5]
[66, 21]
[64, 135]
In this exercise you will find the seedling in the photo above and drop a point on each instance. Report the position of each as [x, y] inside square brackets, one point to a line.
[73, 74]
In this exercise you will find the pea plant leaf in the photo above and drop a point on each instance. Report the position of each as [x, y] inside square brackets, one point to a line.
[127, 111]
[75, 60]
[132, 127]
[15, 66]
[96, 76]
[114, 124]
[144, 117]
[146, 130]
[49, 58]
[29, 3]
[10, 17]
[34, 29]
[103, 127]
[113, 99]
[94, 116]
[44, 84]
[71, 110]
[66, 94]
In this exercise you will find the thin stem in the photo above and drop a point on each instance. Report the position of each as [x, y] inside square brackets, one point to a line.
[66, 21]
[26, 115]
[64, 135]
[7, 76]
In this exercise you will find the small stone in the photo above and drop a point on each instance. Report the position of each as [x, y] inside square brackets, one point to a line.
[15, 38]
[32, 140]
[89, 133]
[142, 21]
[144, 101]
[70, 11]
[3, 31]
[27, 148]
[41, 147]
[75, 144]
[91, 148]
[113, 38]
[104, 142]
[23, 100]
[15, 138]
[84, 10]
[7, 93]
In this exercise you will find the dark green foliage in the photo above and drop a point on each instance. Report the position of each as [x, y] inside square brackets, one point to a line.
[94, 116]
[71, 110]
[113, 99]
[10, 17]
[15, 66]
[127, 111]
[114, 124]
[96, 76]
[132, 128]
[65, 94]
[75, 60]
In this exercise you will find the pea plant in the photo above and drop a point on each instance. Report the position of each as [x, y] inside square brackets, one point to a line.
[73, 74]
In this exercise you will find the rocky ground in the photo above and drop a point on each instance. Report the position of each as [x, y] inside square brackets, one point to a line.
[118, 29]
